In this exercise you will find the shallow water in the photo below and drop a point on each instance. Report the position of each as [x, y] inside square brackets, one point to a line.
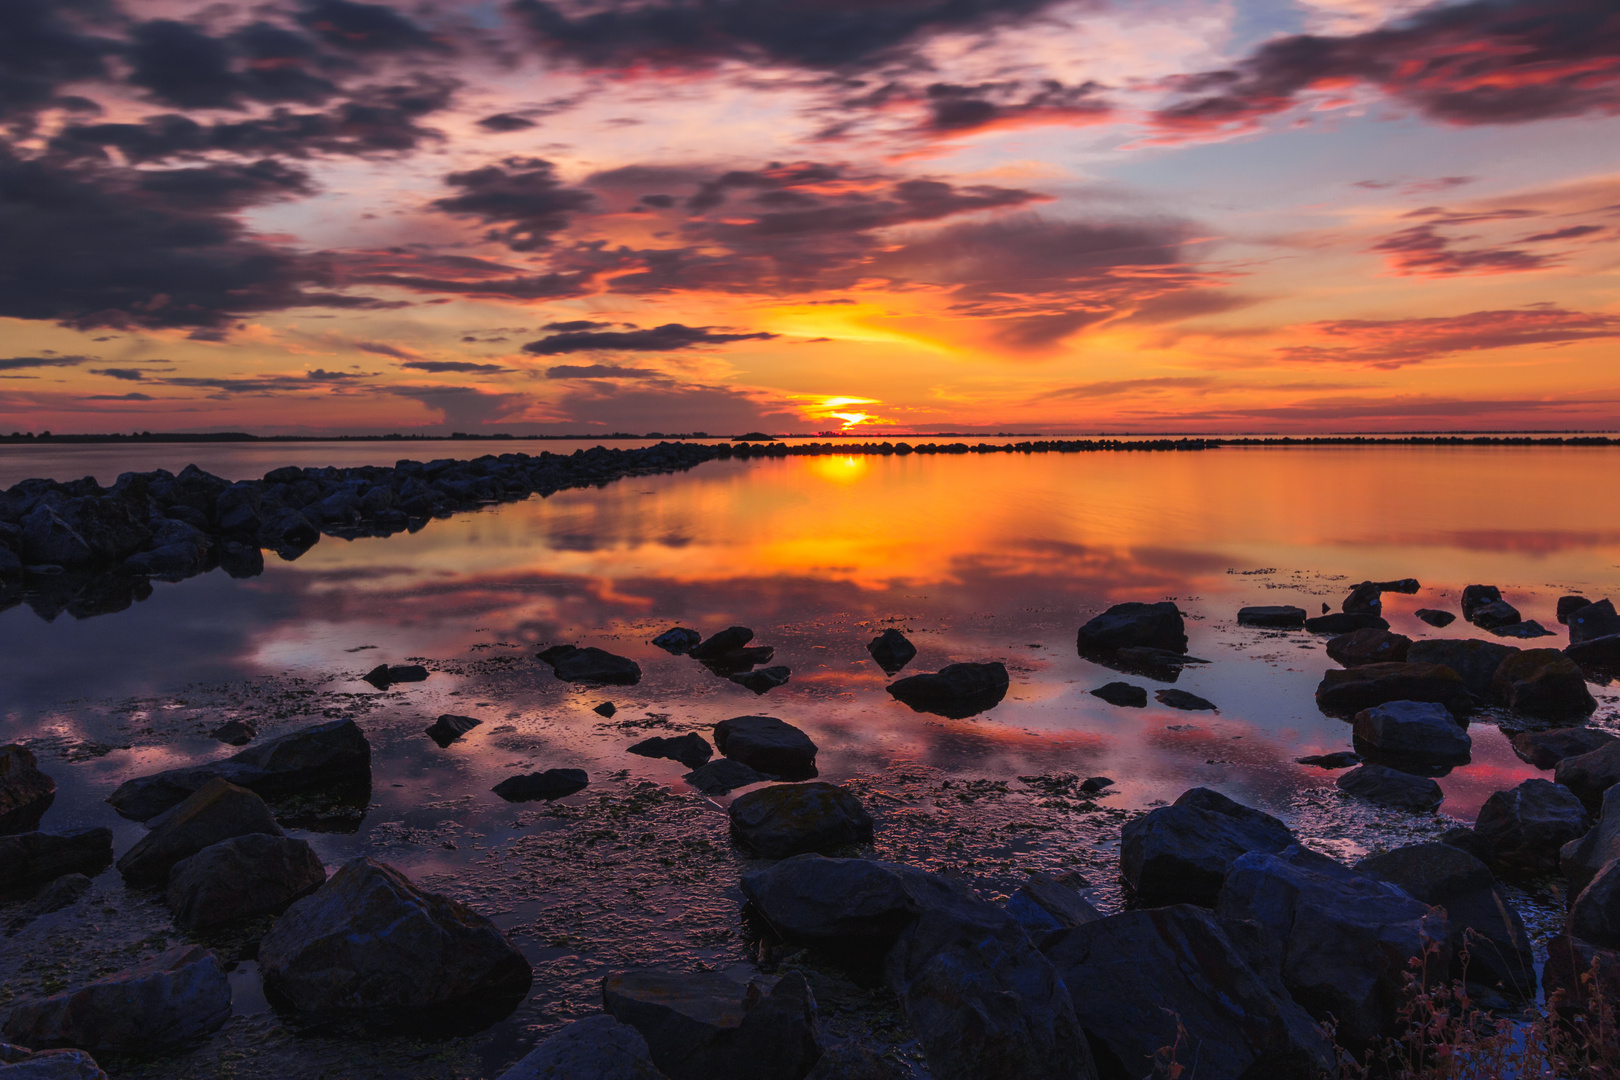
[995, 557]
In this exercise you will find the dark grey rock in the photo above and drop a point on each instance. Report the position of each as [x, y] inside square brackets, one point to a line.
[812, 898]
[1122, 694]
[591, 665]
[734, 661]
[1044, 904]
[1593, 621]
[716, 646]
[1368, 647]
[1093, 784]
[723, 776]
[1406, 585]
[691, 749]
[1598, 657]
[892, 650]
[1475, 597]
[1525, 826]
[1435, 617]
[1465, 839]
[235, 732]
[850, 1062]
[1581, 977]
[1543, 683]
[595, 1048]
[1495, 616]
[548, 785]
[1182, 853]
[767, 744]
[1348, 691]
[385, 675]
[1339, 759]
[1476, 661]
[242, 877]
[1384, 786]
[1591, 774]
[1569, 605]
[64, 892]
[29, 860]
[956, 691]
[450, 727]
[1154, 626]
[792, 819]
[1595, 915]
[1527, 628]
[1181, 699]
[1275, 617]
[1580, 859]
[52, 1065]
[25, 792]
[677, 640]
[762, 680]
[1342, 622]
[1365, 599]
[1161, 664]
[607, 709]
[1411, 732]
[216, 811]
[1545, 749]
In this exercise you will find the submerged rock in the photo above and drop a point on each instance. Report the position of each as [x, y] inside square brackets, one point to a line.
[235, 879]
[767, 744]
[1276, 617]
[595, 1048]
[1154, 626]
[216, 811]
[1543, 683]
[1524, 827]
[385, 675]
[450, 727]
[548, 785]
[1122, 694]
[691, 749]
[1339, 759]
[25, 792]
[1182, 853]
[1368, 647]
[793, 819]
[591, 665]
[1413, 733]
[734, 661]
[1476, 661]
[762, 680]
[716, 646]
[29, 860]
[1390, 787]
[1545, 749]
[1348, 691]
[1591, 774]
[1435, 617]
[1181, 699]
[677, 640]
[956, 691]
[723, 776]
[892, 650]
[1341, 622]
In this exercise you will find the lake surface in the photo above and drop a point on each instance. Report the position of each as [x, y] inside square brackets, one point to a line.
[993, 557]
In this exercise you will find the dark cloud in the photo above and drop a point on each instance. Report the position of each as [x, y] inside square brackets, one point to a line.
[463, 408]
[1422, 252]
[521, 196]
[502, 122]
[182, 66]
[957, 108]
[19, 363]
[322, 375]
[576, 324]
[600, 371]
[1393, 343]
[1574, 232]
[1120, 387]
[127, 374]
[380, 349]
[367, 28]
[224, 187]
[459, 275]
[1485, 62]
[133, 396]
[464, 367]
[666, 338]
[45, 44]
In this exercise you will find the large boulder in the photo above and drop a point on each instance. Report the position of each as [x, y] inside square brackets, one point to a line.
[169, 1000]
[25, 792]
[1597, 657]
[591, 665]
[1368, 647]
[1154, 626]
[1482, 919]
[235, 879]
[772, 746]
[1593, 621]
[1591, 774]
[1044, 904]
[1384, 786]
[323, 755]
[1475, 597]
[1475, 660]
[29, 860]
[1418, 733]
[1580, 977]
[1543, 683]
[1581, 859]
[595, 1048]
[709, 1027]
[1346, 692]
[792, 819]
[370, 945]
[1181, 854]
[861, 902]
[19, 1064]
[1524, 827]
[1569, 605]
[1545, 749]
[1273, 617]
[956, 691]
[728, 640]
[1364, 599]
[1497, 616]
[1595, 914]
[1140, 979]
[892, 650]
[691, 749]
[1348, 937]
[216, 811]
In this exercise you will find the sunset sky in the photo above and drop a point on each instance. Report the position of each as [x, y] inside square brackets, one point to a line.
[547, 216]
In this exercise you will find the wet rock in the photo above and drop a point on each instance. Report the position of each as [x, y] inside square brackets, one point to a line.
[1475, 597]
[1529, 628]
[1349, 937]
[1161, 664]
[1136, 976]
[595, 1048]
[1591, 774]
[235, 732]
[1384, 786]
[1496, 617]
[691, 749]
[607, 709]
[723, 776]
[1598, 657]
[1580, 859]
[1044, 904]
[369, 944]
[1154, 626]
[1364, 599]
[1181, 699]
[309, 759]
[548, 785]
[792, 819]
[1476, 661]
[64, 892]
[1368, 647]
[762, 680]
[1569, 605]
[239, 878]
[1181, 854]
[1275, 617]
[1339, 759]
[1525, 826]
[706, 1026]
[892, 650]
[1411, 732]
[812, 898]
[1463, 838]
[49, 1065]
[28, 860]
[677, 640]
[47, 539]
[850, 1062]
[1543, 683]
[1435, 617]
[1580, 976]
[1093, 784]
[956, 691]
[450, 727]
[167, 1001]
[385, 675]
[716, 646]
[734, 661]
[1348, 691]
[1481, 918]
[591, 665]
[1595, 915]
[216, 811]
[1122, 694]
[25, 792]
[1407, 585]
[770, 745]
[1545, 749]
[1593, 621]
[1340, 622]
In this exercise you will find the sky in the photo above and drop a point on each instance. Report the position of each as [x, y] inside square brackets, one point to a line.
[863, 216]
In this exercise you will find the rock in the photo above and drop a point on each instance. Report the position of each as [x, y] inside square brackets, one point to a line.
[1154, 626]
[708, 1027]
[1598, 657]
[369, 944]
[792, 819]
[25, 792]
[1364, 599]
[64, 892]
[1368, 647]
[1044, 904]
[1476, 661]
[892, 651]
[1181, 699]
[956, 691]
[1339, 759]
[1545, 749]
[1543, 683]
[1579, 977]
[595, 1048]
[1593, 621]
[1093, 784]
[1122, 694]
[607, 709]
[1595, 915]
[385, 675]
[235, 732]
[47, 539]
[1141, 978]
[1348, 937]
[1580, 859]
[1406, 585]
[850, 1062]
[548, 785]
[723, 776]
[1475, 597]
[1496, 616]
[50, 1065]
[727, 640]
[1463, 838]
[859, 902]
[28, 860]
[1390, 787]
[691, 749]
[1348, 691]
[1275, 617]
[591, 665]
[216, 811]
[450, 727]
[1181, 854]
[1569, 605]
[767, 744]
[678, 640]
[731, 663]
[1482, 920]
[239, 878]
[1525, 826]
[1527, 628]
[1435, 617]
[1412, 732]
[167, 1001]
[762, 680]
[311, 758]
[1591, 774]
[1341, 622]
